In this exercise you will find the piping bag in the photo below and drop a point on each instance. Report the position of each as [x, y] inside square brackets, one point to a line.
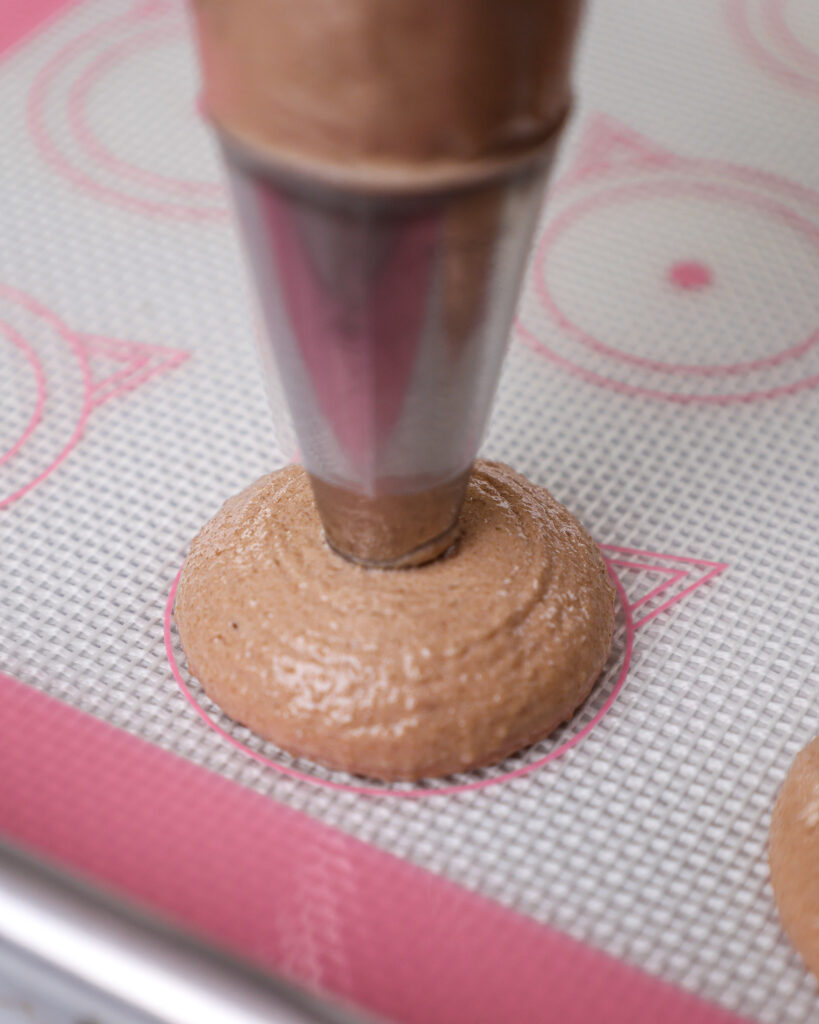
[387, 161]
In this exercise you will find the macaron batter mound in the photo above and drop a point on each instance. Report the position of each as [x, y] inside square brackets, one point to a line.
[403, 673]
[794, 854]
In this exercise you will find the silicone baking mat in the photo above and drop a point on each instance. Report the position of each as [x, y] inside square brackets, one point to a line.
[662, 381]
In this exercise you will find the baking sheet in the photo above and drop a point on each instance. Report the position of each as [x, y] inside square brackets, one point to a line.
[661, 382]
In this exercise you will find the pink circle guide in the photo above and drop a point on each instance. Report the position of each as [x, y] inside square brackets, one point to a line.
[91, 80]
[612, 164]
[416, 792]
[87, 58]
[719, 193]
[772, 43]
[33, 360]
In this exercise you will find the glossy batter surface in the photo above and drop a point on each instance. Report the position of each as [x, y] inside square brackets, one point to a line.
[397, 674]
[794, 854]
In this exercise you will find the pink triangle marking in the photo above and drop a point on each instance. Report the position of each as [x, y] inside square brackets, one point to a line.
[675, 574]
[139, 363]
[607, 145]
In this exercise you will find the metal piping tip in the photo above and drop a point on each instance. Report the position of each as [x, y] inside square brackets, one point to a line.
[391, 531]
[387, 310]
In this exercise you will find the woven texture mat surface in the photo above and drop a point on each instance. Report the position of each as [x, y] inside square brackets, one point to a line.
[662, 381]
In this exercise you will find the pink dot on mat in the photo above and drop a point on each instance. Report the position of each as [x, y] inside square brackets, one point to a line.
[690, 275]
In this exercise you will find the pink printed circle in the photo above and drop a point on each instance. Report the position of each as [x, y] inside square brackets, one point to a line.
[73, 80]
[688, 274]
[488, 777]
[63, 384]
[764, 30]
[639, 391]
[777, 18]
[38, 374]
[93, 79]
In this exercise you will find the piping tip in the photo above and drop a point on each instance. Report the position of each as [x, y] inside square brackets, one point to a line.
[391, 531]
[387, 307]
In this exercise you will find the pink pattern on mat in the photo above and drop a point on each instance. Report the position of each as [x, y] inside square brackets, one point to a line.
[139, 362]
[777, 20]
[144, 24]
[669, 396]
[79, 96]
[773, 46]
[690, 275]
[19, 20]
[704, 570]
[614, 165]
[614, 556]
[33, 360]
[639, 192]
[135, 364]
[675, 574]
[609, 147]
[294, 895]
